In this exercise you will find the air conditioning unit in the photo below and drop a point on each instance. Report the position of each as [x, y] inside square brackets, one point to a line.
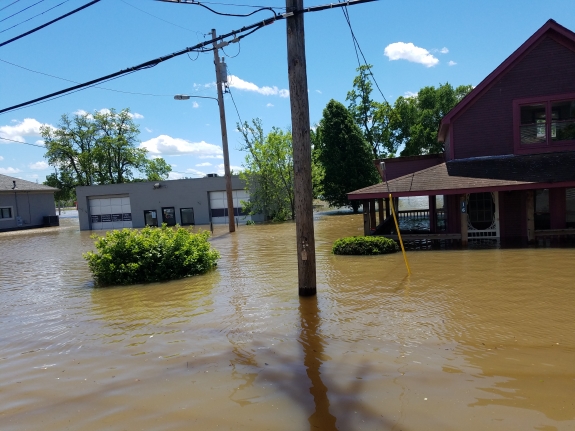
[212, 175]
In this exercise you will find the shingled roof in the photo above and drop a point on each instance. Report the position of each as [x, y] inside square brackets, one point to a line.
[7, 185]
[435, 181]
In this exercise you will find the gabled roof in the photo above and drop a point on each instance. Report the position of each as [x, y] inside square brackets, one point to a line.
[7, 184]
[549, 27]
[435, 181]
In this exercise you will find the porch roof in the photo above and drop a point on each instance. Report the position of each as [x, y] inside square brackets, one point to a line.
[436, 181]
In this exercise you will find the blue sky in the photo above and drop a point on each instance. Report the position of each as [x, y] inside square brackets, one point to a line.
[411, 44]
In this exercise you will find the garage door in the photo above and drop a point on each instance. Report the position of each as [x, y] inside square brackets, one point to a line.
[110, 212]
[219, 206]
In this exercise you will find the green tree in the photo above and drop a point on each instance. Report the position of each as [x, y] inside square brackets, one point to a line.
[98, 148]
[317, 171]
[65, 185]
[157, 169]
[415, 120]
[345, 155]
[268, 171]
[372, 117]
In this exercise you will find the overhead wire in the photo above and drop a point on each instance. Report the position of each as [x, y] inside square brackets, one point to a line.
[20, 142]
[31, 18]
[49, 23]
[358, 47]
[247, 30]
[157, 17]
[21, 10]
[16, 1]
[197, 3]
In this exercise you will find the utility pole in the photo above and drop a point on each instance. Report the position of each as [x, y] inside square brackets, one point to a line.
[219, 83]
[301, 148]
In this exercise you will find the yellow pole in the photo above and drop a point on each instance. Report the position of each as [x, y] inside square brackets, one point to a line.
[399, 235]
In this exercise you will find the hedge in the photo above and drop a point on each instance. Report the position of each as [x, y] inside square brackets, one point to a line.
[130, 256]
[364, 245]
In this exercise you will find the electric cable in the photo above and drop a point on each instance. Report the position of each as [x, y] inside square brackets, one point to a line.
[234, 56]
[235, 106]
[357, 46]
[196, 3]
[23, 143]
[49, 22]
[250, 29]
[42, 13]
[157, 17]
[22, 10]
[16, 1]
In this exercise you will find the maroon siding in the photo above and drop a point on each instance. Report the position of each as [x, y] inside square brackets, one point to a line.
[558, 208]
[453, 213]
[513, 216]
[485, 128]
[400, 166]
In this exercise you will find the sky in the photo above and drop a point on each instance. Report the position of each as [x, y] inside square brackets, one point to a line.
[411, 44]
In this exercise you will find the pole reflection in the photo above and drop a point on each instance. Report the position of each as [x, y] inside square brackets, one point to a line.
[313, 345]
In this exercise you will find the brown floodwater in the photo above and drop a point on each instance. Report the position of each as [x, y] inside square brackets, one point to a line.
[472, 340]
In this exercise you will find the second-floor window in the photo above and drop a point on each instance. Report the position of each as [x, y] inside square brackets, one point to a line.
[546, 122]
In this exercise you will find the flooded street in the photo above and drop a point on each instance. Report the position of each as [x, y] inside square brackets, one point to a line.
[473, 340]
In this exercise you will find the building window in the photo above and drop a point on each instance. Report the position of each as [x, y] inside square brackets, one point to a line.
[169, 216]
[151, 218]
[6, 213]
[545, 122]
[187, 216]
[481, 210]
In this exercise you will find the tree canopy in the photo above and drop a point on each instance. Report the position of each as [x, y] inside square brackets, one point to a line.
[345, 155]
[98, 148]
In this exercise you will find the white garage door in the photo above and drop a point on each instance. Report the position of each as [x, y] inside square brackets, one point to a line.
[219, 206]
[110, 212]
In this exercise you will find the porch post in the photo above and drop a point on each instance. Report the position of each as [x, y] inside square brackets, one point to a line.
[380, 208]
[432, 214]
[463, 221]
[365, 206]
[558, 208]
[387, 213]
[372, 219]
[530, 214]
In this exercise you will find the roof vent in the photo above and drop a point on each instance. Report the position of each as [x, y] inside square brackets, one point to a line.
[14, 186]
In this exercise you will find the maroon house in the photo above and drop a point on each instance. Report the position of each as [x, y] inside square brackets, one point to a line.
[508, 170]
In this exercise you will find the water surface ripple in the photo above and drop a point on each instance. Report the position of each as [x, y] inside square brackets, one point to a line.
[474, 339]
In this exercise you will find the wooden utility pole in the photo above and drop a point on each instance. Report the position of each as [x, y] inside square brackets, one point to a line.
[219, 83]
[301, 149]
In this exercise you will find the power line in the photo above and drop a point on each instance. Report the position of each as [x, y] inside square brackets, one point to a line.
[23, 143]
[196, 3]
[157, 17]
[22, 10]
[149, 64]
[42, 13]
[9, 5]
[49, 22]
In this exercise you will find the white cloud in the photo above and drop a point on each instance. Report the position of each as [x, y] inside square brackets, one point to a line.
[9, 171]
[104, 111]
[166, 145]
[234, 169]
[444, 50]
[39, 165]
[240, 84]
[195, 105]
[452, 63]
[195, 173]
[204, 164]
[148, 130]
[270, 105]
[410, 52]
[135, 115]
[40, 142]
[318, 91]
[409, 94]
[81, 113]
[27, 127]
[1, 158]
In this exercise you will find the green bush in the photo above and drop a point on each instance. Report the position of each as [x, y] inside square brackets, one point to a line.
[365, 245]
[129, 256]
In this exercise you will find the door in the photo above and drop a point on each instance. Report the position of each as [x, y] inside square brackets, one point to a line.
[169, 216]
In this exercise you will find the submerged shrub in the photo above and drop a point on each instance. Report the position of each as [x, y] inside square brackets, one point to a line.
[365, 245]
[129, 256]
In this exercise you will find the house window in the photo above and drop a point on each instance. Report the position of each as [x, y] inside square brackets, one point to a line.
[151, 218]
[187, 216]
[6, 213]
[169, 216]
[481, 210]
[545, 122]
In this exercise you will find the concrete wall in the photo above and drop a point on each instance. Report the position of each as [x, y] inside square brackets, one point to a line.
[190, 193]
[31, 206]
